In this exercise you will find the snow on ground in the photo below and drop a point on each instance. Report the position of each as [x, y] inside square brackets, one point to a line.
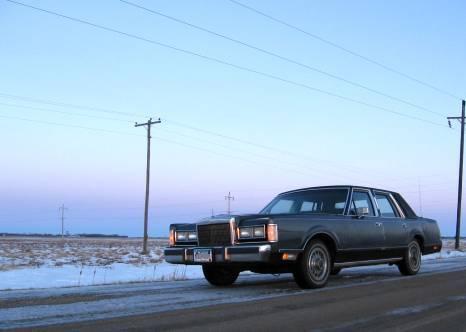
[25, 252]
[448, 250]
[53, 262]
[70, 275]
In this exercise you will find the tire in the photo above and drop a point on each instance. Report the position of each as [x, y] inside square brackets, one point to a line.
[335, 271]
[220, 275]
[411, 263]
[313, 268]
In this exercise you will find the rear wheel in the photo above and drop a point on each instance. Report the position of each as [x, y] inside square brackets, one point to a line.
[220, 275]
[313, 268]
[411, 263]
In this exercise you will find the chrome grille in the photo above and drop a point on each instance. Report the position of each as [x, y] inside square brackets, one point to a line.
[214, 235]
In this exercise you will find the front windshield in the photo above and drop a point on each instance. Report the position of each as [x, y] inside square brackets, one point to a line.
[317, 201]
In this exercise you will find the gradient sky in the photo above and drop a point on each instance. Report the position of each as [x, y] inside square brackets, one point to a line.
[100, 175]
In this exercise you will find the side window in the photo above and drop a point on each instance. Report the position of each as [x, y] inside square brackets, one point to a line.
[361, 199]
[385, 206]
[283, 206]
[308, 206]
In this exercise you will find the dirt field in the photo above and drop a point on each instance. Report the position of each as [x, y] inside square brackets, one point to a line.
[26, 252]
[21, 252]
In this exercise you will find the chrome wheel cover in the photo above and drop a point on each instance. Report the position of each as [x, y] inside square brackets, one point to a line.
[318, 264]
[414, 256]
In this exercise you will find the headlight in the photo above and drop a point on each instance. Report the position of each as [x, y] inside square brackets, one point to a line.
[184, 236]
[192, 236]
[255, 232]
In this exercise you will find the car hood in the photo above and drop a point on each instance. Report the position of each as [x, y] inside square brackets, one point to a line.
[225, 218]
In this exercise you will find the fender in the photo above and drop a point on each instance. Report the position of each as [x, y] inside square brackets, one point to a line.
[317, 230]
[417, 232]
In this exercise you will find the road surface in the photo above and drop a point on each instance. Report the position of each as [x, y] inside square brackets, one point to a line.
[370, 298]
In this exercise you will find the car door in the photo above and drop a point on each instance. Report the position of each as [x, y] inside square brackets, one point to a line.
[365, 235]
[394, 224]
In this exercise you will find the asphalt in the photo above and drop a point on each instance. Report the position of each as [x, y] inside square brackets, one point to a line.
[367, 299]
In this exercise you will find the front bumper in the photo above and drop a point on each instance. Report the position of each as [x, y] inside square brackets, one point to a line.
[234, 254]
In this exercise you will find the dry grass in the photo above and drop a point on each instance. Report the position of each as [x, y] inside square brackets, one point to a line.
[18, 252]
[449, 244]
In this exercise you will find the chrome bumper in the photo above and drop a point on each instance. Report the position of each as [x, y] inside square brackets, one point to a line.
[236, 254]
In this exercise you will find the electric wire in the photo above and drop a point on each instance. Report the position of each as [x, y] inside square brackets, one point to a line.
[232, 65]
[57, 124]
[284, 58]
[345, 49]
[63, 112]
[197, 129]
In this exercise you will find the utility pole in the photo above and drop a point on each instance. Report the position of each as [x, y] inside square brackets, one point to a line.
[62, 209]
[148, 126]
[460, 177]
[229, 198]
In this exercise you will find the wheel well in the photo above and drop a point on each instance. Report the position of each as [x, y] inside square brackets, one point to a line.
[328, 241]
[420, 240]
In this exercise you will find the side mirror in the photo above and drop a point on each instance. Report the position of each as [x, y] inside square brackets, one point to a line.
[362, 211]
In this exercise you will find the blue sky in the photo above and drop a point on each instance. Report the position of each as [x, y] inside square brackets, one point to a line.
[99, 175]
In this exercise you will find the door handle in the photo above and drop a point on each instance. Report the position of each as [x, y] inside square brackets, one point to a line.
[378, 224]
[404, 225]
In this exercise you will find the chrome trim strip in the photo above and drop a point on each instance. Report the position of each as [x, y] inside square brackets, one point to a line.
[233, 231]
[368, 262]
[262, 248]
[397, 206]
[290, 250]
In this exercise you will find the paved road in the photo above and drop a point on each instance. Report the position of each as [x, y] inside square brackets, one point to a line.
[358, 299]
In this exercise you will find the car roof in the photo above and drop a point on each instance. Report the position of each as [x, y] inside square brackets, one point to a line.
[336, 187]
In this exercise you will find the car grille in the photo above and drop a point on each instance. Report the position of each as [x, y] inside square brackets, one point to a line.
[214, 235]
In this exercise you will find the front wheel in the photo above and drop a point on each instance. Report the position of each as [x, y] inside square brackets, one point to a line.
[220, 275]
[313, 269]
[411, 263]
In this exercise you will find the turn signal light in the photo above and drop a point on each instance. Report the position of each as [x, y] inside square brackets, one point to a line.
[171, 238]
[289, 257]
[272, 232]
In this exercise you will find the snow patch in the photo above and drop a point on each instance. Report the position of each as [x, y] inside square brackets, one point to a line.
[70, 275]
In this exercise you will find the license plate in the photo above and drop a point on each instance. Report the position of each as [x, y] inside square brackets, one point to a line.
[203, 255]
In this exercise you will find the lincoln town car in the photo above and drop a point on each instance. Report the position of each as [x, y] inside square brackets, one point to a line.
[312, 233]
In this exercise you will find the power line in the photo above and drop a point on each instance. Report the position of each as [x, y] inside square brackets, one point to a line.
[232, 65]
[55, 103]
[344, 49]
[159, 138]
[122, 133]
[203, 131]
[62, 112]
[111, 131]
[268, 157]
[283, 58]
[69, 125]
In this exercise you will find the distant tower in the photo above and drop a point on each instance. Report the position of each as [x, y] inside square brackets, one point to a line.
[229, 198]
[62, 210]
